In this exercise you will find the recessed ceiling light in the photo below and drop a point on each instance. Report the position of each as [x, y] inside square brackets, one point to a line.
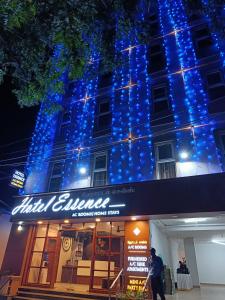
[133, 218]
[97, 220]
[195, 220]
[40, 222]
[66, 221]
[220, 242]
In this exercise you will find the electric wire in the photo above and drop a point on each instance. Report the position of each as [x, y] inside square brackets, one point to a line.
[63, 145]
[63, 156]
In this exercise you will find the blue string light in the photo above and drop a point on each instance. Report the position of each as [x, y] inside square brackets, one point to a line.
[196, 100]
[82, 111]
[43, 139]
[131, 154]
[132, 159]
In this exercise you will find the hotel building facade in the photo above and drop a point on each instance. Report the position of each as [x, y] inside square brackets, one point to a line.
[144, 141]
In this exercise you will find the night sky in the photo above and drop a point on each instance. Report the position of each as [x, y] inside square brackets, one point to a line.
[16, 124]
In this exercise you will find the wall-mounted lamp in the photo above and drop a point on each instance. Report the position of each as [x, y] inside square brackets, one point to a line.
[83, 170]
[184, 155]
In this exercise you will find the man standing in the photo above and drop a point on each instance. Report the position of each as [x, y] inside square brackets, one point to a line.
[156, 269]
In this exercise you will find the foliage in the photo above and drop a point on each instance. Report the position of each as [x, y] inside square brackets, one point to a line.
[30, 30]
[131, 295]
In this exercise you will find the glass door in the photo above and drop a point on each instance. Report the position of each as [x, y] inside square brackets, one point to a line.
[107, 258]
[43, 259]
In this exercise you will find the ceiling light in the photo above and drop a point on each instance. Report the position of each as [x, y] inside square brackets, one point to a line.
[220, 242]
[66, 221]
[195, 220]
[133, 218]
[20, 228]
[97, 220]
[40, 222]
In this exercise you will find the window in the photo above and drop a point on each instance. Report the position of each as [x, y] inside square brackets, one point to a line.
[160, 98]
[216, 85]
[154, 25]
[103, 117]
[221, 144]
[166, 165]
[222, 139]
[55, 181]
[105, 80]
[203, 42]
[65, 123]
[99, 176]
[156, 58]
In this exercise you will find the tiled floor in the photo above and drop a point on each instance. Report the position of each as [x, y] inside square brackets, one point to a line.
[206, 292]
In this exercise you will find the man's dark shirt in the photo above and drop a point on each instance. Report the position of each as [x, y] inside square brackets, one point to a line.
[155, 266]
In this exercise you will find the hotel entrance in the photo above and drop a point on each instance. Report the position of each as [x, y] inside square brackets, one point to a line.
[75, 257]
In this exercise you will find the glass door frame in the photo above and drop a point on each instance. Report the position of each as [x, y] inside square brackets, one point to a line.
[31, 250]
[109, 253]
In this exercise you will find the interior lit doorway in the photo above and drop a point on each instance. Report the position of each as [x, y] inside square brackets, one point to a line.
[45, 244]
[75, 257]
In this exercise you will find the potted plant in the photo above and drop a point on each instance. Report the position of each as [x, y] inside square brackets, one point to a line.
[131, 295]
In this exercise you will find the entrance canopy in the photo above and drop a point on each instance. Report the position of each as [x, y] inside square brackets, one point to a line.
[196, 194]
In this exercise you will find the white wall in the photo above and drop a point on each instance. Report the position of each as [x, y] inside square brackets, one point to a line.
[160, 242]
[211, 262]
[191, 168]
[5, 227]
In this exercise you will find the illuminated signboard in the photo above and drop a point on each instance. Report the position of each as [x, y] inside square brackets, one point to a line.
[18, 179]
[78, 207]
[137, 253]
[73, 204]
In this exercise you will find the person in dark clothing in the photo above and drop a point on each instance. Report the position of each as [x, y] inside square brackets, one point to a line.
[156, 268]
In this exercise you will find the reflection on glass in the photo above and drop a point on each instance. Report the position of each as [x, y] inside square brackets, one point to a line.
[33, 275]
[39, 244]
[53, 230]
[102, 244]
[118, 228]
[44, 275]
[103, 228]
[36, 259]
[41, 230]
[101, 268]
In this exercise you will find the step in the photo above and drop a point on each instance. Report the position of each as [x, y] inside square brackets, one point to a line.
[23, 298]
[32, 298]
[42, 296]
[48, 294]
